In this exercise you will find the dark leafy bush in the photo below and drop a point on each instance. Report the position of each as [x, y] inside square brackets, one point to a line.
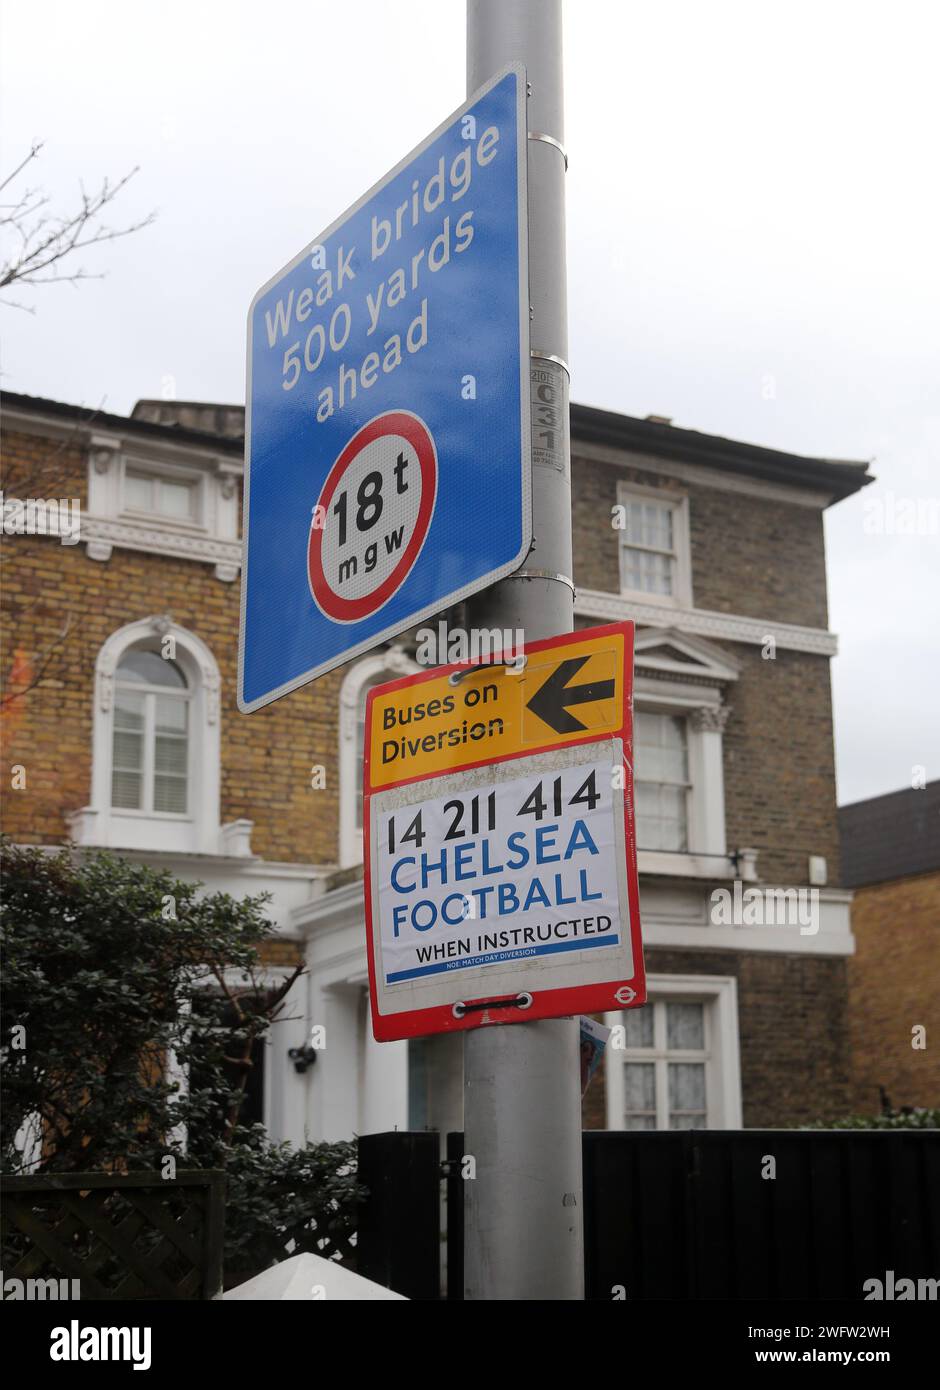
[102, 962]
[106, 965]
[284, 1201]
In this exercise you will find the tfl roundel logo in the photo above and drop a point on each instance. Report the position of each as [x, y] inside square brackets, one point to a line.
[372, 516]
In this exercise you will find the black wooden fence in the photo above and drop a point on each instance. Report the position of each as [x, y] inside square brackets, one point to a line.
[121, 1236]
[771, 1214]
[757, 1214]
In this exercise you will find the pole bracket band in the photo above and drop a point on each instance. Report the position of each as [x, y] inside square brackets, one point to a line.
[550, 140]
[526, 573]
[550, 357]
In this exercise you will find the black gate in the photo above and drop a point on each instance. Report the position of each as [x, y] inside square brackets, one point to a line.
[398, 1240]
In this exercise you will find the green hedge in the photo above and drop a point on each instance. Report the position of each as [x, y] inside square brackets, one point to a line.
[902, 1119]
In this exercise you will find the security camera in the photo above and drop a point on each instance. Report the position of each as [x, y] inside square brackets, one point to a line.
[302, 1057]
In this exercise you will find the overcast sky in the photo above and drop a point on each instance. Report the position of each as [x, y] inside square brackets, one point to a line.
[753, 232]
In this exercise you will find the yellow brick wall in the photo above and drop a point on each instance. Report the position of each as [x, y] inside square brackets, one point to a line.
[282, 951]
[780, 781]
[894, 985]
[266, 757]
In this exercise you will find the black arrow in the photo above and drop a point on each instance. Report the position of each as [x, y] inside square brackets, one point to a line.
[550, 702]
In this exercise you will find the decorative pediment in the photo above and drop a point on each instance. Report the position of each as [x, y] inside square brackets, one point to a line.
[666, 651]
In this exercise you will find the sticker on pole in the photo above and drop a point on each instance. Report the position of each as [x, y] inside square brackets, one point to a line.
[380, 496]
[500, 850]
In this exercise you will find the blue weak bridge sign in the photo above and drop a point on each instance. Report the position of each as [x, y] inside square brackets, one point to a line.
[387, 430]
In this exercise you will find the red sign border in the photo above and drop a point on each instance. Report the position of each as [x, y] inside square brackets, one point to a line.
[547, 1003]
[414, 429]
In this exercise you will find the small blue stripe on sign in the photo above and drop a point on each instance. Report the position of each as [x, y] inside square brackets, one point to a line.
[493, 957]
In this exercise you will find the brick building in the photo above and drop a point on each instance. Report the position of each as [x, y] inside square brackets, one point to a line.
[718, 556]
[891, 859]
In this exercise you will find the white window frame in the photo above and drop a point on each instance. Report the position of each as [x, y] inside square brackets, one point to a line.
[683, 675]
[704, 807]
[693, 812]
[388, 665]
[705, 821]
[678, 504]
[210, 537]
[199, 830]
[147, 770]
[160, 473]
[719, 994]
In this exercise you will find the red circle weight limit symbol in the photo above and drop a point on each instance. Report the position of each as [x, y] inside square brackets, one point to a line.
[372, 516]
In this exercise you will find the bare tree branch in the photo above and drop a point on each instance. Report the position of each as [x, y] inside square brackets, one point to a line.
[34, 151]
[47, 241]
[267, 1005]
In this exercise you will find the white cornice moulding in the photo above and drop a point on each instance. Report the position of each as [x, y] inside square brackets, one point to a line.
[653, 863]
[832, 939]
[716, 478]
[185, 862]
[332, 908]
[99, 532]
[729, 627]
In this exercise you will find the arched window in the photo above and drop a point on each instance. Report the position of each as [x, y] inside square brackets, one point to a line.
[374, 670]
[156, 746]
[150, 749]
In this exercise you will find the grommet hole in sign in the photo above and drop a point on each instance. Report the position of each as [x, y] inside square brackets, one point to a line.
[517, 1001]
[515, 669]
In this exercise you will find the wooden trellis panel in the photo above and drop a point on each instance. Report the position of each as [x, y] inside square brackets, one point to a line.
[123, 1236]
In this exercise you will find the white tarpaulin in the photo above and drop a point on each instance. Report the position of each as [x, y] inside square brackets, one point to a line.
[305, 1278]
